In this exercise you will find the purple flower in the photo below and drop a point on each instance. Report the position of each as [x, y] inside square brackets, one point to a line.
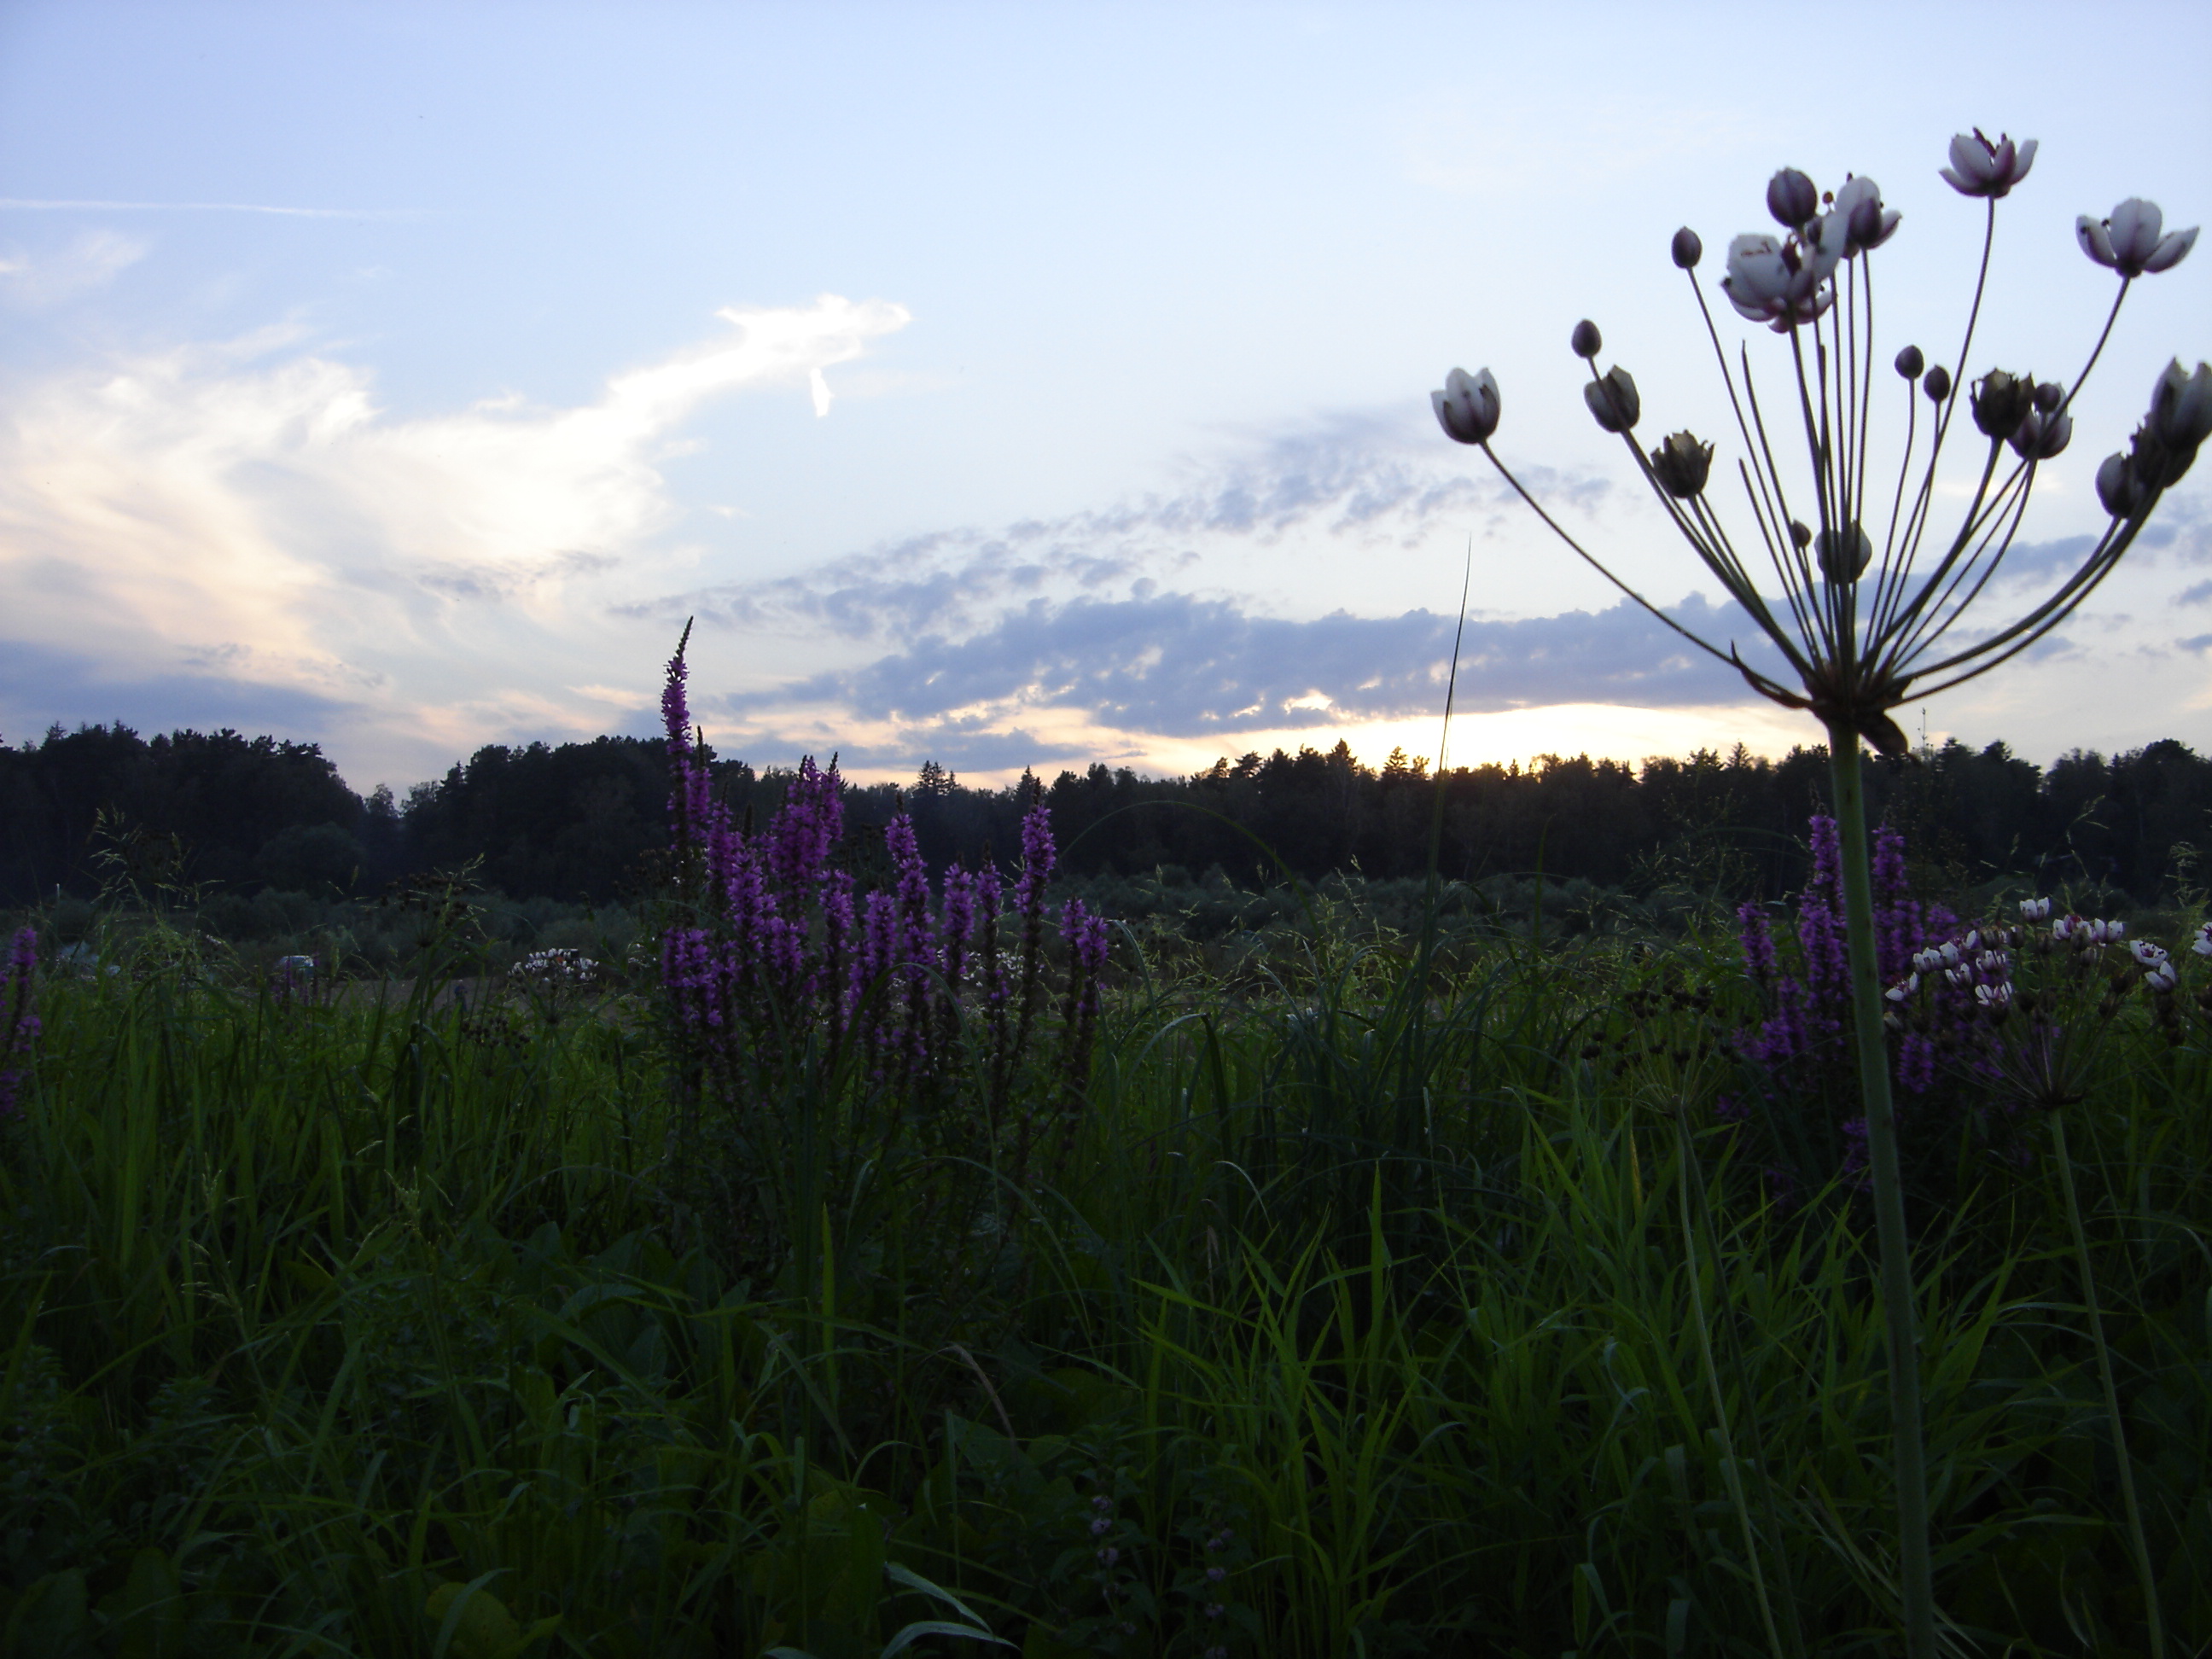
[1038, 856]
[1758, 942]
[810, 824]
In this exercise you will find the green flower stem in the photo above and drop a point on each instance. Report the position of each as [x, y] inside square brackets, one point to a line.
[2141, 1545]
[1916, 1571]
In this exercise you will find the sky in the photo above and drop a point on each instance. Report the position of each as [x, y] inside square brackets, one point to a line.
[1010, 386]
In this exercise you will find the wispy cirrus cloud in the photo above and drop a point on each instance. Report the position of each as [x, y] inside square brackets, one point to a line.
[88, 261]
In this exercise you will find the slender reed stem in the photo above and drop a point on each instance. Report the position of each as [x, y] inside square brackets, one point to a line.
[1731, 1471]
[1915, 1572]
[2136, 1540]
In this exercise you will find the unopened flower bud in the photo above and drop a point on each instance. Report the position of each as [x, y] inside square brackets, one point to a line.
[2181, 406]
[1687, 249]
[2118, 489]
[1792, 197]
[1843, 555]
[1799, 535]
[1910, 362]
[1586, 340]
[2001, 401]
[1866, 223]
[1682, 464]
[1468, 407]
[2034, 909]
[1612, 399]
[2049, 395]
[2041, 436]
[1937, 385]
[2161, 978]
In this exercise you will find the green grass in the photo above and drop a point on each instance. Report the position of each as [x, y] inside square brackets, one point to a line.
[1381, 1282]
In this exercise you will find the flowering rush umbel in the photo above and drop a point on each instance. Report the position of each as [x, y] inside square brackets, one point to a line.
[1868, 605]
[2024, 1007]
[21, 1027]
[775, 951]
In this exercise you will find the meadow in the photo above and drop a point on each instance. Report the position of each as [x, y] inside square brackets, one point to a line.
[1342, 1288]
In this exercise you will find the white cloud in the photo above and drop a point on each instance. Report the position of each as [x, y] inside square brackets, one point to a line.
[90, 260]
[247, 509]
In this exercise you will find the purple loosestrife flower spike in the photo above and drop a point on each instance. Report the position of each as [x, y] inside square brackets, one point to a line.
[809, 824]
[1038, 856]
[957, 923]
[1759, 964]
[690, 800]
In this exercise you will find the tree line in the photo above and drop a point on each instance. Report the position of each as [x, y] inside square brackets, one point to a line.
[578, 821]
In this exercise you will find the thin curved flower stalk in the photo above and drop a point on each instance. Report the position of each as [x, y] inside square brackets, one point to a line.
[1835, 554]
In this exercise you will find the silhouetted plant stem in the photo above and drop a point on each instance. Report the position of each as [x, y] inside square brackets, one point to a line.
[1915, 1573]
[2138, 1544]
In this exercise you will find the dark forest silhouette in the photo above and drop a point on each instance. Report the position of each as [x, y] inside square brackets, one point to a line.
[572, 822]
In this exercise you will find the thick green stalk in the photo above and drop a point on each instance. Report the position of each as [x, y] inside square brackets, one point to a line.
[1916, 1572]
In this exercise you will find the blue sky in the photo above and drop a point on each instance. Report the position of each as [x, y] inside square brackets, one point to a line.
[1000, 385]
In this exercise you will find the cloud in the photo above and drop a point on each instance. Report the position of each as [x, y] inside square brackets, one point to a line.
[2195, 593]
[1354, 480]
[246, 508]
[35, 674]
[88, 261]
[1174, 665]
